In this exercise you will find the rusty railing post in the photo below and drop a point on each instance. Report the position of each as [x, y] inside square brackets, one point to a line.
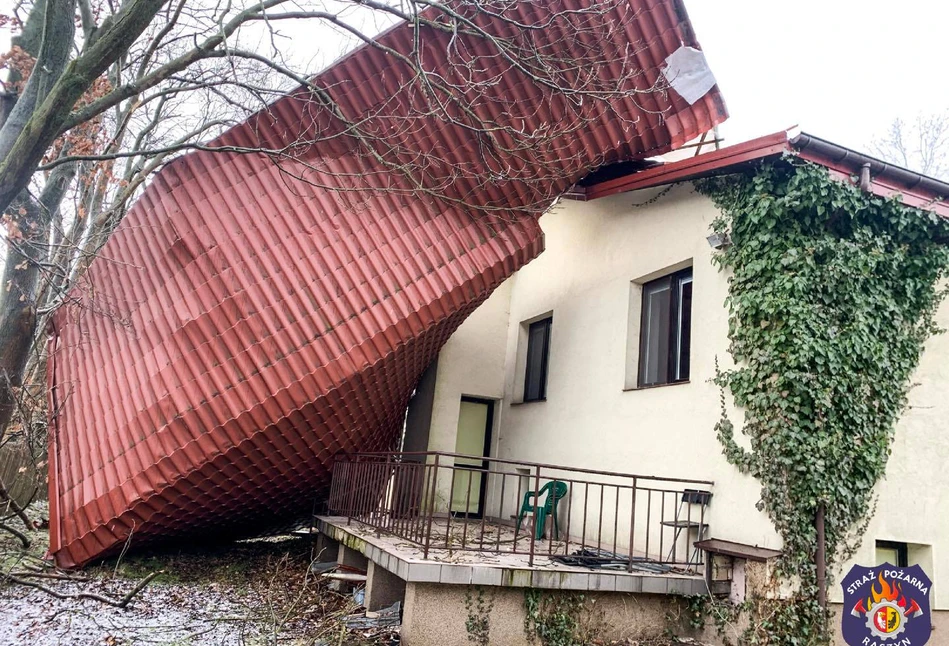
[530, 560]
[386, 507]
[632, 528]
[352, 471]
[431, 509]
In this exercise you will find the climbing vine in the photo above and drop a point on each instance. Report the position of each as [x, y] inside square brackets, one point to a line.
[561, 618]
[832, 294]
[478, 619]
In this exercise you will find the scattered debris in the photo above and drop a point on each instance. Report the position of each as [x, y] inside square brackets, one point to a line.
[349, 577]
[604, 560]
[341, 577]
[246, 593]
[379, 627]
[385, 618]
[319, 568]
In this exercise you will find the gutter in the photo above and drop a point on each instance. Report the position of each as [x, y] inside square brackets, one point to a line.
[885, 179]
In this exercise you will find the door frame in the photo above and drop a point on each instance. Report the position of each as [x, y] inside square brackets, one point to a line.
[486, 453]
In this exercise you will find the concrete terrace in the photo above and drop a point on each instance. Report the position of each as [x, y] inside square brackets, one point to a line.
[502, 568]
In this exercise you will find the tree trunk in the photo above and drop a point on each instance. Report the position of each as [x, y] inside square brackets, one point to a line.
[52, 56]
[18, 304]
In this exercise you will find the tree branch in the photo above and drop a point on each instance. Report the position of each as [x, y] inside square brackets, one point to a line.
[207, 49]
[116, 603]
[163, 150]
[45, 122]
[11, 503]
[23, 538]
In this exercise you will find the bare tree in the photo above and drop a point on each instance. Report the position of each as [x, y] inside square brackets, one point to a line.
[921, 145]
[100, 95]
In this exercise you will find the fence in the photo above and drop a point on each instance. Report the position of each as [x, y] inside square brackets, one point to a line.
[448, 501]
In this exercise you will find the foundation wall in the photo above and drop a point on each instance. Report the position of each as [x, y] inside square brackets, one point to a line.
[436, 614]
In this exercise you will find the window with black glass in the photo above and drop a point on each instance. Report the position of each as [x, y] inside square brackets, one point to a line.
[892, 552]
[538, 350]
[665, 336]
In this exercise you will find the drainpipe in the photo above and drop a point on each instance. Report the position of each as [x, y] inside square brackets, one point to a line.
[865, 177]
[820, 557]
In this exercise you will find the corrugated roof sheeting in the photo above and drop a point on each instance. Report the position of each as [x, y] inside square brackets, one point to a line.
[250, 319]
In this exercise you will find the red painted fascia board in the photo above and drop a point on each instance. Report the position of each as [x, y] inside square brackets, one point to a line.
[882, 185]
[694, 167]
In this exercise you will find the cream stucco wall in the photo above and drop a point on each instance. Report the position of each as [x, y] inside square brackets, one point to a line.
[595, 254]
[913, 498]
[595, 250]
[472, 364]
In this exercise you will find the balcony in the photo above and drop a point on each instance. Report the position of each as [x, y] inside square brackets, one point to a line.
[464, 510]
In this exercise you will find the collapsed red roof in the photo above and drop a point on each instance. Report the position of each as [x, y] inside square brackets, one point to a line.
[250, 319]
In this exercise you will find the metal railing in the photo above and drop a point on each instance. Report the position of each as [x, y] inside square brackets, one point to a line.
[449, 501]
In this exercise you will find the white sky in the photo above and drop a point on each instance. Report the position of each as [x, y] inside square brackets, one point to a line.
[841, 69]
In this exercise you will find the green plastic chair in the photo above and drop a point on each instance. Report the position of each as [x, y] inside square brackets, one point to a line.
[555, 490]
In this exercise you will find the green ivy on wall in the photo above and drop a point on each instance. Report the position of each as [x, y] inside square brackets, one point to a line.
[560, 618]
[832, 294]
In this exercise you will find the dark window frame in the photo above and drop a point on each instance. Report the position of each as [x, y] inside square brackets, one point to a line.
[541, 394]
[675, 281]
[902, 551]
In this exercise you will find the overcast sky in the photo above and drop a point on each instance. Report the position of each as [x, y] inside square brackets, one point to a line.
[841, 69]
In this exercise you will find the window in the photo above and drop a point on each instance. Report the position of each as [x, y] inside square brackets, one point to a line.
[666, 329]
[893, 553]
[538, 348]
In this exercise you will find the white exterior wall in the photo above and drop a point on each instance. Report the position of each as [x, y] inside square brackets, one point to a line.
[913, 498]
[472, 364]
[594, 252]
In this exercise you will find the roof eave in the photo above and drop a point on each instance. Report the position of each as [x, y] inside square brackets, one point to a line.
[887, 179]
[915, 189]
[703, 165]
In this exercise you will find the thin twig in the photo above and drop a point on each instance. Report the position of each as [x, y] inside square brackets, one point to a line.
[52, 575]
[116, 603]
[125, 548]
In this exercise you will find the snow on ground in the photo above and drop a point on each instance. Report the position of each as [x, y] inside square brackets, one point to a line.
[247, 593]
[176, 614]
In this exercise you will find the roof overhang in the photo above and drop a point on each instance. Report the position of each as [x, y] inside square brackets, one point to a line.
[886, 179]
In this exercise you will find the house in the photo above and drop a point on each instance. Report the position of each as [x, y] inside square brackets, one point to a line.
[256, 313]
[592, 366]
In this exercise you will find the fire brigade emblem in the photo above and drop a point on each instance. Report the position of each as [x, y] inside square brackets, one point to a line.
[886, 606]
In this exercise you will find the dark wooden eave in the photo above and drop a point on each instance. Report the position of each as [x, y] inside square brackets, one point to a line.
[737, 550]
